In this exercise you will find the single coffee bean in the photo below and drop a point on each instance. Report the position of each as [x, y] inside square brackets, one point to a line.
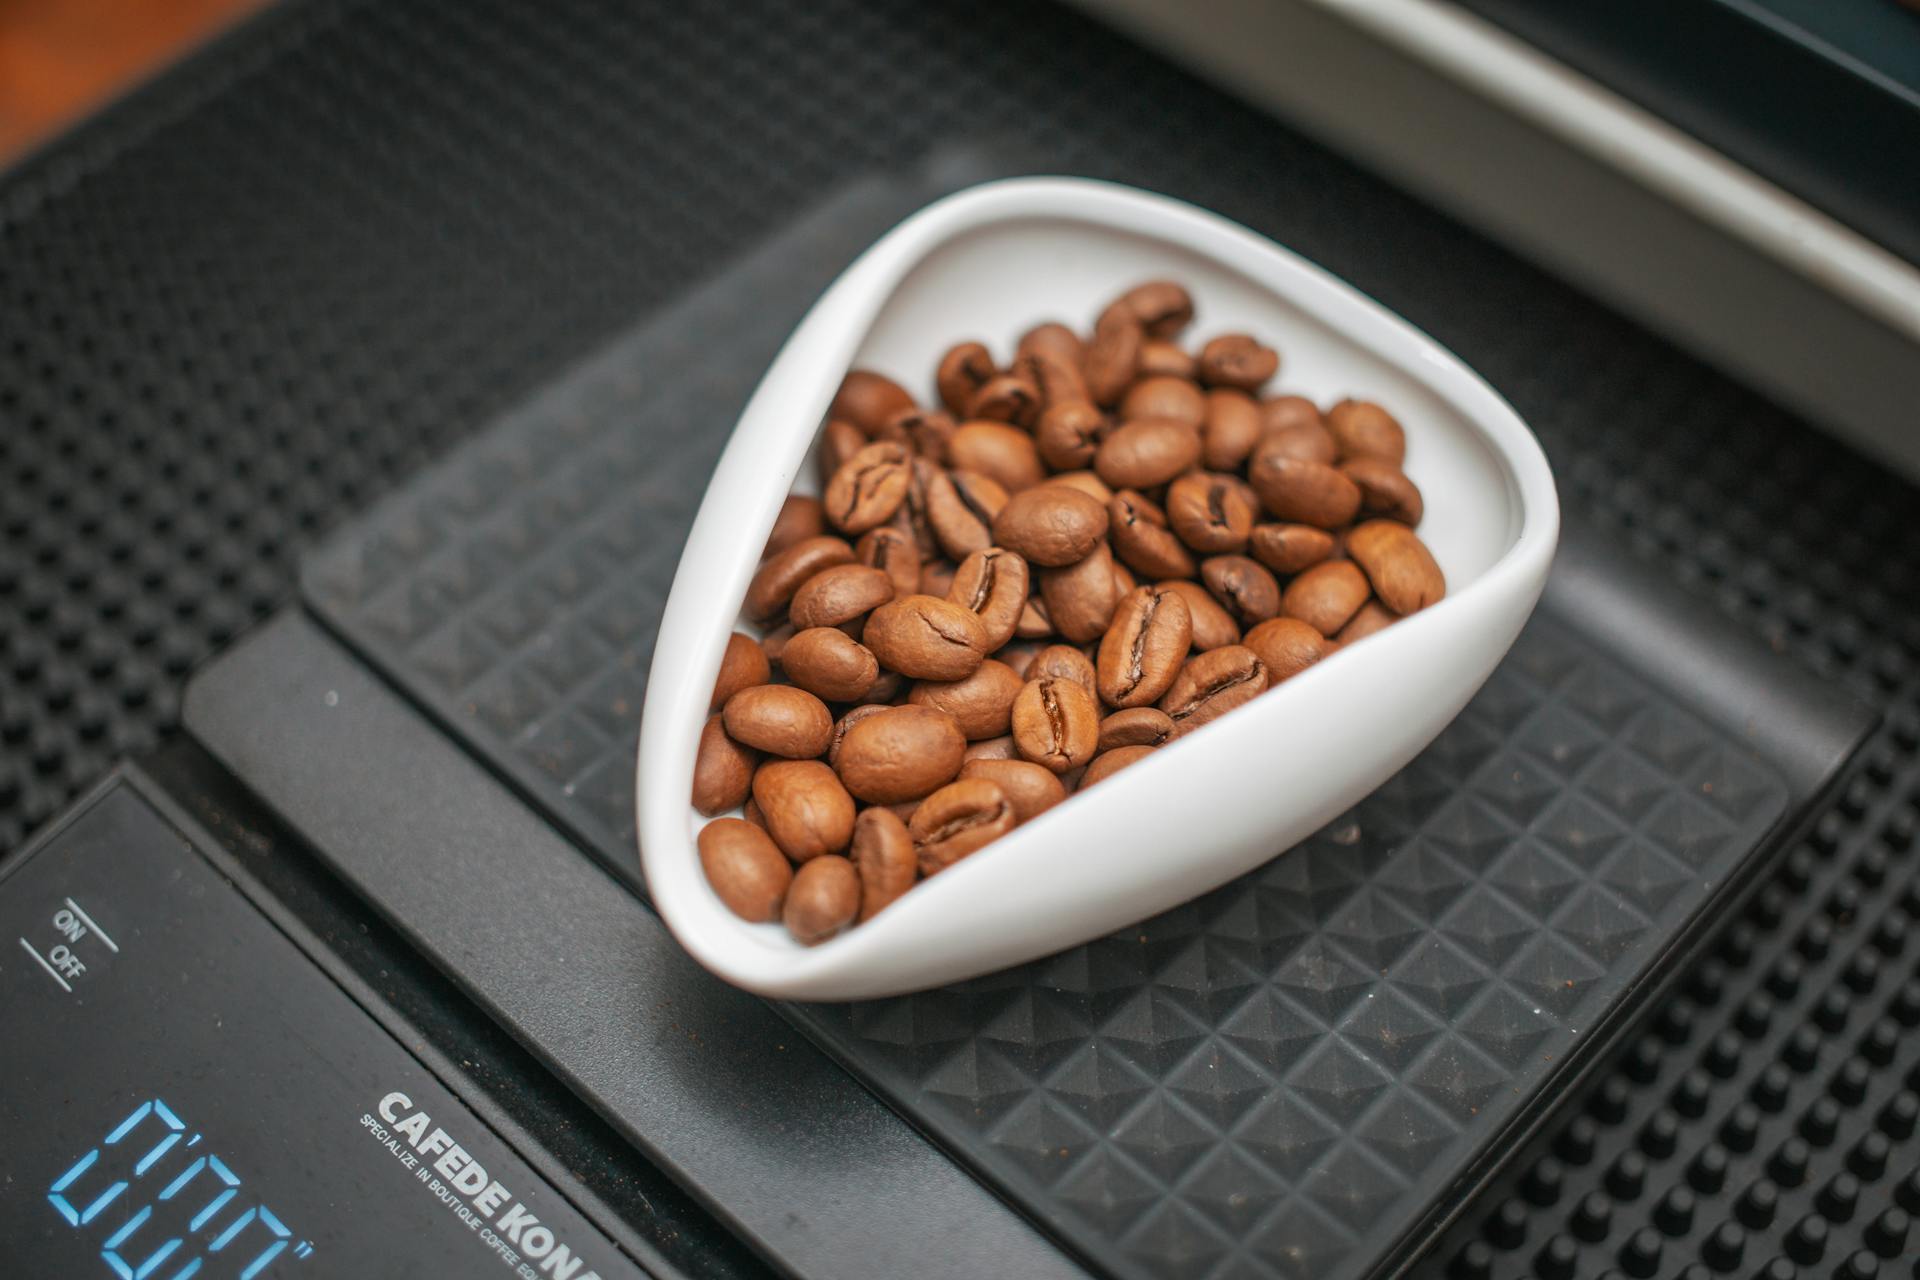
[892, 552]
[853, 716]
[1287, 646]
[1068, 433]
[1000, 748]
[743, 665]
[1144, 648]
[1051, 525]
[745, 868]
[839, 441]
[965, 368]
[1404, 573]
[1213, 627]
[1162, 359]
[800, 517]
[1053, 340]
[722, 770]
[1086, 482]
[779, 720]
[867, 399]
[1210, 512]
[807, 811]
[1385, 489]
[1135, 727]
[838, 595]
[1006, 397]
[1303, 492]
[774, 643]
[1212, 684]
[1280, 412]
[1243, 587]
[927, 638]
[826, 663]
[1064, 662]
[1147, 452]
[883, 855]
[1060, 381]
[924, 431]
[1004, 454]
[913, 518]
[823, 899]
[1030, 788]
[1364, 429]
[900, 753]
[958, 819]
[961, 507]
[1055, 723]
[1080, 597]
[981, 704]
[868, 488]
[1162, 307]
[993, 584]
[1288, 549]
[1302, 442]
[1325, 596]
[1108, 763]
[776, 580]
[1114, 355]
[1231, 430]
[1140, 536]
[1174, 398]
[1373, 616]
[1237, 360]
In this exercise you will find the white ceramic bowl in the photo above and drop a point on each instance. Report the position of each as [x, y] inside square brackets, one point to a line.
[989, 263]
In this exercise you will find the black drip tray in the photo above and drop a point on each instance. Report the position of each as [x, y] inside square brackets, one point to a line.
[1301, 1074]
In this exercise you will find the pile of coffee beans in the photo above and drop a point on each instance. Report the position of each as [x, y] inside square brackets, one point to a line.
[1073, 559]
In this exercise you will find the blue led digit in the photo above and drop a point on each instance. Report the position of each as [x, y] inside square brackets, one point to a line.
[60, 1202]
[228, 1177]
[273, 1249]
[173, 1188]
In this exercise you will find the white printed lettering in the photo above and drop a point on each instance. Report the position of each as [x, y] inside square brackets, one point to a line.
[536, 1242]
[413, 1127]
[393, 1104]
[516, 1220]
[492, 1198]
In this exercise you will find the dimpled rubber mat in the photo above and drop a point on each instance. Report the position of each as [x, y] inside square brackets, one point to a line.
[1283, 1079]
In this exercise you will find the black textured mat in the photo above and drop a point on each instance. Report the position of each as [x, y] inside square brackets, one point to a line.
[1290, 1077]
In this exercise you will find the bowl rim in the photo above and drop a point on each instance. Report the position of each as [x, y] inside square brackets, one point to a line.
[667, 847]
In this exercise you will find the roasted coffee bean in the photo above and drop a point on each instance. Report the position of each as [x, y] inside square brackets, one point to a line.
[1279, 412]
[1213, 626]
[1303, 442]
[1065, 662]
[1303, 492]
[1004, 454]
[806, 810]
[981, 704]
[891, 687]
[1373, 616]
[745, 868]
[779, 720]
[776, 581]
[892, 552]
[924, 431]
[936, 577]
[913, 519]
[1404, 573]
[958, 819]
[750, 812]
[1056, 723]
[965, 368]
[1147, 452]
[1068, 433]
[1287, 646]
[1114, 355]
[1231, 430]
[839, 441]
[1051, 525]
[1108, 763]
[926, 638]
[1385, 489]
[1162, 307]
[774, 643]
[1123, 581]
[1080, 597]
[1162, 359]
[1052, 340]
[722, 770]
[1243, 587]
[1144, 648]
[1000, 748]
[1034, 623]
[1237, 360]
[826, 663]
[867, 399]
[1030, 788]
[1006, 397]
[1018, 655]
[1086, 482]
[854, 716]
[743, 665]
[993, 585]
[961, 507]
[838, 595]
[800, 517]
[883, 855]
[1210, 512]
[1288, 549]
[868, 488]
[1135, 727]
[900, 753]
[1174, 398]
[1140, 536]
[1212, 684]
[823, 899]
[1364, 429]
[1060, 381]
[1325, 596]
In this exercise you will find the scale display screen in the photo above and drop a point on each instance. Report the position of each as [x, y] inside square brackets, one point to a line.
[184, 1095]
